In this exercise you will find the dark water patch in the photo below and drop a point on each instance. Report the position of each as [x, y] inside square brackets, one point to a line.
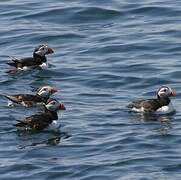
[173, 74]
[95, 95]
[43, 37]
[155, 11]
[13, 13]
[127, 48]
[96, 13]
[52, 14]
[172, 168]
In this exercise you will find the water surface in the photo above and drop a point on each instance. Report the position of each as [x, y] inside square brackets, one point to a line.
[106, 54]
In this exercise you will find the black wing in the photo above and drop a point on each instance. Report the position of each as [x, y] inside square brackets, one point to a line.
[18, 98]
[37, 121]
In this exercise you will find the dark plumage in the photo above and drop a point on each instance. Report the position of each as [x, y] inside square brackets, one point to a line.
[149, 105]
[153, 105]
[40, 121]
[42, 95]
[38, 58]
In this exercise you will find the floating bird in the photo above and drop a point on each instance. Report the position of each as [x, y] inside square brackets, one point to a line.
[160, 105]
[47, 120]
[42, 95]
[37, 60]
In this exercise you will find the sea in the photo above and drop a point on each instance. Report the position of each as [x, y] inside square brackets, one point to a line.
[106, 54]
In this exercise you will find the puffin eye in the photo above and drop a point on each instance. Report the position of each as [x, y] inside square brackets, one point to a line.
[53, 103]
[44, 89]
[164, 90]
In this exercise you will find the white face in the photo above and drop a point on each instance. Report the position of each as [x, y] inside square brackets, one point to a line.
[164, 91]
[45, 91]
[43, 49]
[53, 105]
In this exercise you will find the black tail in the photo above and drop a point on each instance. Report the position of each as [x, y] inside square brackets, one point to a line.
[8, 97]
[12, 64]
[20, 123]
[14, 61]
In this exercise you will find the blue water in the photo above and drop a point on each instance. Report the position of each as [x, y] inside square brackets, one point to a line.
[106, 54]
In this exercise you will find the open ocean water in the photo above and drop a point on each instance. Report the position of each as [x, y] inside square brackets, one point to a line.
[107, 53]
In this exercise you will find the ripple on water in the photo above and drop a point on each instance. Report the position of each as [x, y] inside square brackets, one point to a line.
[106, 54]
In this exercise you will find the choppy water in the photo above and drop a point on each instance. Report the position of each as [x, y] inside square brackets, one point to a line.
[106, 54]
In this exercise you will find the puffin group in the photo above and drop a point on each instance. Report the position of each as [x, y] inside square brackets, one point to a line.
[48, 119]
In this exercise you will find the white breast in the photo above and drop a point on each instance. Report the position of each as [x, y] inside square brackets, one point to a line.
[44, 65]
[165, 109]
[55, 125]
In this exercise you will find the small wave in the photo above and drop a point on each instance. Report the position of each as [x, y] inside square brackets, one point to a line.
[50, 14]
[154, 11]
[97, 12]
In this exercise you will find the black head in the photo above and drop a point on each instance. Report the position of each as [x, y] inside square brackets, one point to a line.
[54, 105]
[165, 92]
[46, 91]
[42, 50]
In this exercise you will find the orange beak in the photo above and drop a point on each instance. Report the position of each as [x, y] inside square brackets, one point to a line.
[53, 90]
[50, 51]
[173, 93]
[62, 107]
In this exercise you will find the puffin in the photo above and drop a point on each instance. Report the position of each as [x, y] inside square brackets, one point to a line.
[42, 95]
[160, 105]
[38, 58]
[47, 120]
